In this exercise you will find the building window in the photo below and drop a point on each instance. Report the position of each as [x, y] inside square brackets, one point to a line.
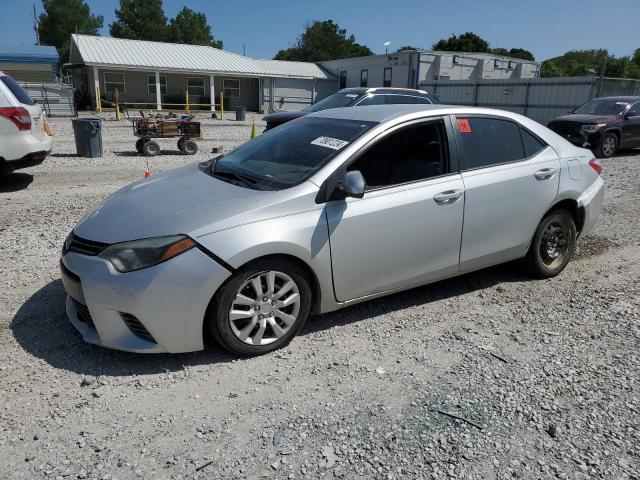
[114, 81]
[195, 86]
[343, 79]
[364, 78]
[231, 87]
[387, 77]
[151, 84]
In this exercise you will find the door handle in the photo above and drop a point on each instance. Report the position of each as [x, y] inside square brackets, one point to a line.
[448, 196]
[545, 173]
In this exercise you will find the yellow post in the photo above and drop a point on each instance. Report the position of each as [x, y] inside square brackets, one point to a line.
[221, 106]
[98, 100]
[116, 99]
[253, 130]
[186, 96]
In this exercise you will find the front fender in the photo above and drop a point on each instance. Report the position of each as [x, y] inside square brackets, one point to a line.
[304, 236]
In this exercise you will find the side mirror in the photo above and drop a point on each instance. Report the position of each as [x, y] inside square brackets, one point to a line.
[352, 185]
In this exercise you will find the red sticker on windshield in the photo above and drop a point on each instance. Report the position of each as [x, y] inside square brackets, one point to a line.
[463, 125]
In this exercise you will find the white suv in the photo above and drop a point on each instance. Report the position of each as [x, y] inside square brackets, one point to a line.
[23, 140]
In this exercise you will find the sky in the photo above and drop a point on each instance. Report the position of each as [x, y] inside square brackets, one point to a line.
[547, 28]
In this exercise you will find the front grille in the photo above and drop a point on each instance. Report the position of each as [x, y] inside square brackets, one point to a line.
[73, 243]
[565, 128]
[83, 314]
[136, 327]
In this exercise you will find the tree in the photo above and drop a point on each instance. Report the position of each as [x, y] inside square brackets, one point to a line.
[466, 42]
[61, 18]
[521, 53]
[323, 40]
[192, 28]
[140, 20]
[407, 47]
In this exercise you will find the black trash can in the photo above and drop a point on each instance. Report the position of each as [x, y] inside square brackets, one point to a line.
[240, 113]
[88, 135]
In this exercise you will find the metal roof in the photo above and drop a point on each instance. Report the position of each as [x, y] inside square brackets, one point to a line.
[142, 54]
[28, 54]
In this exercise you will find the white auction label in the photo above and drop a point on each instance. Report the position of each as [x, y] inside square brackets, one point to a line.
[333, 143]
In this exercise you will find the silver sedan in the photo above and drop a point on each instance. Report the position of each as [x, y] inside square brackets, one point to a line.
[336, 208]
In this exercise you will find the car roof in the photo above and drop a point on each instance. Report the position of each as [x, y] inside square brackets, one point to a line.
[384, 113]
[364, 90]
[621, 98]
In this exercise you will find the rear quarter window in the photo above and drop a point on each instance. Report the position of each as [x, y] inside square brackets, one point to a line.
[532, 145]
[16, 90]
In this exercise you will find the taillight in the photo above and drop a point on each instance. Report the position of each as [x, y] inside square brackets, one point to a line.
[596, 165]
[18, 115]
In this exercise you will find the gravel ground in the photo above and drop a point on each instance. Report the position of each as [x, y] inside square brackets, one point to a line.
[487, 376]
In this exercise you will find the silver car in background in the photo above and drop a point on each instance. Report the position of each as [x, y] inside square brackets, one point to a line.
[338, 207]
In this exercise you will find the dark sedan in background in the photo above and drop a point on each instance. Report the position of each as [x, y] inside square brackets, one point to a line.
[351, 97]
[605, 125]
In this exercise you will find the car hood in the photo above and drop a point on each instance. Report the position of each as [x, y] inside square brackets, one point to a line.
[586, 119]
[187, 201]
[281, 117]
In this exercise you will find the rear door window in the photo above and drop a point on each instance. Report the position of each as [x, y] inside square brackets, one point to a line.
[489, 141]
[16, 90]
[372, 100]
[398, 99]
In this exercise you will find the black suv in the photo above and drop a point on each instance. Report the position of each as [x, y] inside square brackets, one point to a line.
[351, 97]
[605, 125]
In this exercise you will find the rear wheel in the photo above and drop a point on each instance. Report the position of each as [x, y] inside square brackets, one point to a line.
[181, 143]
[151, 148]
[139, 144]
[607, 146]
[189, 147]
[261, 308]
[553, 245]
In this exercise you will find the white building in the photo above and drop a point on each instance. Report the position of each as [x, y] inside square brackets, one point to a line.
[411, 68]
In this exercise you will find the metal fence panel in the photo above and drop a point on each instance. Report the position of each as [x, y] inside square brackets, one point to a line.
[540, 98]
[56, 99]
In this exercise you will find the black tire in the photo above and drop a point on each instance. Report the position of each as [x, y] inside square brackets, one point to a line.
[189, 147]
[139, 144]
[218, 316]
[556, 235]
[151, 148]
[181, 143]
[607, 146]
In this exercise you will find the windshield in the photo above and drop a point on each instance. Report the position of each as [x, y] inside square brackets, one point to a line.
[336, 100]
[288, 155]
[602, 107]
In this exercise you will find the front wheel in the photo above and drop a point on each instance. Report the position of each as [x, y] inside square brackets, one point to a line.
[151, 148]
[607, 146]
[261, 308]
[553, 245]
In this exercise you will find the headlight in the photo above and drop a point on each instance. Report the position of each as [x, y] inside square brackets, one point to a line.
[138, 254]
[592, 128]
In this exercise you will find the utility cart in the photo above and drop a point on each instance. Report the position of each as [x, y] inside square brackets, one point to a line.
[148, 128]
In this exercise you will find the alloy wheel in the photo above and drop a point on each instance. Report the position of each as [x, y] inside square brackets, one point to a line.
[609, 146]
[265, 308]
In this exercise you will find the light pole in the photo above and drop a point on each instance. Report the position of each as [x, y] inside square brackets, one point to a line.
[386, 47]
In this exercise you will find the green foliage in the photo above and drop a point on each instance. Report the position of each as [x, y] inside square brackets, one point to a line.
[521, 53]
[466, 42]
[407, 47]
[61, 18]
[192, 28]
[323, 40]
[470, 42]
[140, 20]
[588, 62]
